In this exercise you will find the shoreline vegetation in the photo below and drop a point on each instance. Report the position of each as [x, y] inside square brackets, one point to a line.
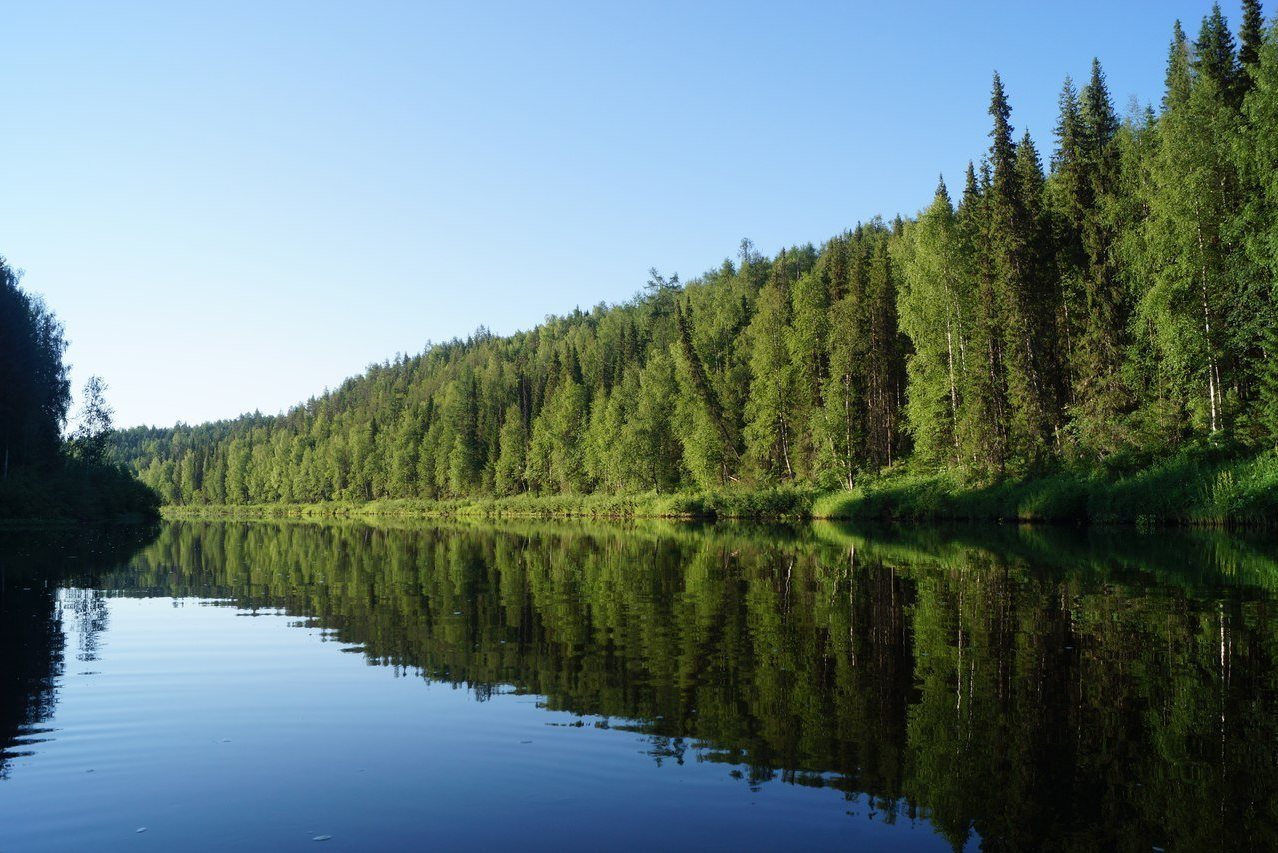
[49, 475]
[1190, 490]
[70, 491]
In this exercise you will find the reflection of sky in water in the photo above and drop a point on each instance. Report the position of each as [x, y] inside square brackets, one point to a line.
[215, 728]
[1033, 687]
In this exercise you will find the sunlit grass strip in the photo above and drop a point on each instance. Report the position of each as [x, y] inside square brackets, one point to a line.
[1190, 489]
[777, 503]
[1185, 490]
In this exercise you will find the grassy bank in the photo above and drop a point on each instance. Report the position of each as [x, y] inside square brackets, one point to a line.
[1199, 488]
[1191, 489]
[776, 503]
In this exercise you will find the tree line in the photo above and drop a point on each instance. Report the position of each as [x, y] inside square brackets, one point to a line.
[1101, 306]
[44, 471]
[35, 391]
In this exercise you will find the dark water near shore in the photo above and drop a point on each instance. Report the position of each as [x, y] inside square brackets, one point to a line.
[584, 687]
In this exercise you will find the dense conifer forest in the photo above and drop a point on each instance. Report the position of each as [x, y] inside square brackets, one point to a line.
[1098, 301]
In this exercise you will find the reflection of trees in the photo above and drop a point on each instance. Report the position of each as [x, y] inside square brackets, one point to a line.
[1039, 688]
[32, 564]
[31, 637]
[1073, 698]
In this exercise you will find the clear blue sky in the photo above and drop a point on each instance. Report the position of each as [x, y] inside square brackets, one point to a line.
[234, 205]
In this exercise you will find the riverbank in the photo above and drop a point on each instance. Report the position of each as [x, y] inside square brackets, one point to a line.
[1190, 490]
[784, 503]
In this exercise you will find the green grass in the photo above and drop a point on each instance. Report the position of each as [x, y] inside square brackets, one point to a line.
[782, 502]
[1193, 488]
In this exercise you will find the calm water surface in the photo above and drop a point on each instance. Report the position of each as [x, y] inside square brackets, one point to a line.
[227, 686]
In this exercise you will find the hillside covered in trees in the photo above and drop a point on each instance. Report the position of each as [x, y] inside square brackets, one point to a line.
[1093, 302]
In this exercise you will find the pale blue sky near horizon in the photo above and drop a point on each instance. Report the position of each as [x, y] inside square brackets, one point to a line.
[235, 205]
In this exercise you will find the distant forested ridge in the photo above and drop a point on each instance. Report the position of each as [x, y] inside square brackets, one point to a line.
[44, 474]
[1107, 302]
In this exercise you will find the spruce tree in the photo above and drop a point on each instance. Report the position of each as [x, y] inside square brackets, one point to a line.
[1069, 199]
[1251, 36]
[886, 363]
[1023, 285]
[1100, 398]
[1215, 57]
[1071, 188]
[984, 425]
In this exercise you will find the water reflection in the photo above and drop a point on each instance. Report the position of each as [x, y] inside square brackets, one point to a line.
[32, 563]
[1036, 689]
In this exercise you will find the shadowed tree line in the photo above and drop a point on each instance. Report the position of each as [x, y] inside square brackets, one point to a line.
[42, 473]
[1097, 306]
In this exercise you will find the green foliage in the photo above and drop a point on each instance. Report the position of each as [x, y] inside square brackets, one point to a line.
[34, 390]
[1256, 149]
[1197, 487]
[935, 306]
[770, 411]
[76, 490]
[1121, 305]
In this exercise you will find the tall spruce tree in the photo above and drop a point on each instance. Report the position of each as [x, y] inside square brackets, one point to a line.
[1100, 396]
[984, 428]
[1023, 286]
[1070, 199]
[1251, 36]
[886, 358]
[1216, 58]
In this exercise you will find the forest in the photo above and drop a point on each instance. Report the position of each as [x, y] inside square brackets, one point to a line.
[44, 473]
[1091, 305]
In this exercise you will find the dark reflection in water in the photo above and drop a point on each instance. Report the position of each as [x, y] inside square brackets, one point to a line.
[31, 639]
[1041, 689]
